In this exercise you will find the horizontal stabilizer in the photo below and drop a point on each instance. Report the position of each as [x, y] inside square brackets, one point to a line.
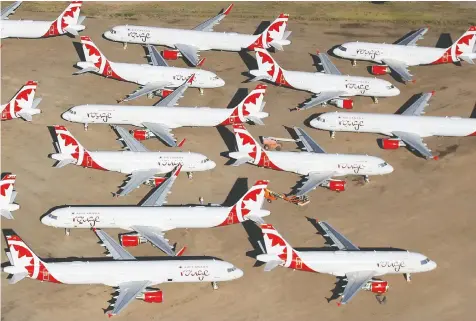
[36, 102]
[287, 34]
[271, 265]
[81, 19]
[255, 218]
[255, 120]
[17, 277]
[468, 58]
[277, 45]
[64, 162]
[6, 214]
[26, 116]
[89, 69]
[72, 31]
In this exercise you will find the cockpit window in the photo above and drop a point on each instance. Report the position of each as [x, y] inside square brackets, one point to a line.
[72, 112]
[205, 160]
[342, 48]
[54, 217]
[215, 77]
[113, 31]
[321, 119]
[425, 261]
[383, 164]
[229, 270]
[390, 87]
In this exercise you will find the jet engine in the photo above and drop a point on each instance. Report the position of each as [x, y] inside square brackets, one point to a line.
[155, 181]
[380, 70]
[389, 143]
[376, 286]
[141, 134]
[335, 185]
[155, 296]
[171, 54]
[131, 239]
[342, 103]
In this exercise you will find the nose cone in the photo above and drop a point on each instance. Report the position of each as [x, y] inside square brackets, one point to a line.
[66, 115]
[220, 82]
[388, 169]
[212, 165]
[432, 265]
[46, 220]
[238, 273]
[395, 92]
[337, 52]
[315, 123]
[108, 35]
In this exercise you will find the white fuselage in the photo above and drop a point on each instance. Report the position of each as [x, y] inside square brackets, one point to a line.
[304, 163]
[386, 124]
[339, 263]
[376, 52]
[163, 218]
[24, 28]
[127, 161]
[171, 117]
[201, 40]
[114, 273]
[143, 74]
[350, 85]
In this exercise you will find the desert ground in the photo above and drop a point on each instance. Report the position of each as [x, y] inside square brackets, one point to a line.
[423, 206]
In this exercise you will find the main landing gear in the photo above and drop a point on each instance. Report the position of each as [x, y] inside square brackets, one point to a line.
[333, 134]
[124, 46]
[66, 231]
[408, 277]
[366, 179]
[214, 285]
[375, 99]
[190, 175]
[354, 63]
[201, 91]
[86, 126]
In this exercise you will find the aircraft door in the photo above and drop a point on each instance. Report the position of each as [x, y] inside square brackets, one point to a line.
[89, 161]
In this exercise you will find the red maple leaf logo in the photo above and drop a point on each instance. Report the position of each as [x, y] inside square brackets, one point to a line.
[273, 27]
[267, 59]
[3, 188]
[276, 240]
[68, 140]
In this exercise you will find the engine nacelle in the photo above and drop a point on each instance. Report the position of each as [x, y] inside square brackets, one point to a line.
[343, 103]
[171, 54]
[141, 134]
[166, 92]
[337, 185]
[152, 296]
[131, 239]
[376, 286]
[389, 143]
[380, 70]
[155, 181]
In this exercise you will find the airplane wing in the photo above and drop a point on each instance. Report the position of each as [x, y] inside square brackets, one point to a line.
[400, 68]
[415, 142]
[158, 197]
[308, 143]
[411, 39]
[212, 22]
[355, 282]
[339, 240]
[156, 237]
[130, 142]
[148, 88]
[189, 52]
[172, 99]
[10, 9]
[115, 250]
[128, 291]
[156, 58]
[313, 180]
[321, 98]
[418, 107]
[163, 132]
[135, 180]
[327, 65]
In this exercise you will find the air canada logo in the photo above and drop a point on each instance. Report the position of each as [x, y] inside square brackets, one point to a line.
[356, 168]
[371, 53]
[354, 123]
[395, 265]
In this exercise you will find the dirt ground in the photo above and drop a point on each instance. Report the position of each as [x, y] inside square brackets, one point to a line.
[423, 206]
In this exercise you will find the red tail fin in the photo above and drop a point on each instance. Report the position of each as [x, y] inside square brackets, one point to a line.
[267, 65]
[275, 31]
[251, 105]
[69, 17]
[23, 99]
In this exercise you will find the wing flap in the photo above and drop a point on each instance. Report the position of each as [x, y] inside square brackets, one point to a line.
[415, 142]
[173, 98]
[189, 52]
[313, 180]
[148, 88]
[400, 68]
[10, 10]
[212, 22]
[327, 65]
[355, 282]
[128, 291]
[135, 180]
[321, 98]
[163, 132]
[156, 58]
[117, 251]
[308, 143]
[130, 142]
[418, 107]
[412, 38]
[159, 196]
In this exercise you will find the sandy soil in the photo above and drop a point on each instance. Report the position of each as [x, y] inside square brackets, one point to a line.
[423, 206]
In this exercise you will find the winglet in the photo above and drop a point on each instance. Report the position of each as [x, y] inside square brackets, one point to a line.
[191, 79]
[436, 157]
[433, 93]
[227, 10]
[178, 169]
[339, 304]
[200, 62]
[181, 142]
[181, 251]
[317, 51]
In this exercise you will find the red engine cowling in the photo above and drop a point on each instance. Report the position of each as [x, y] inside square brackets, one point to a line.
[166, 92]
[380, 70]
[337, 186]
[377, 286]
[140, 134]
[152, 296]
[388, 143]
[132, 239]
[171, 54]
[343, 103]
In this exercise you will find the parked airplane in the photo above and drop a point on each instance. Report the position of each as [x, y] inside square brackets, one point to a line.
[317, 167]
[328, 86]
[405, 129]
[68, 22]
[188, 43]
[23, 104]
[132, 277]
[159, 122]
[156, 77]
[399, 56]
[7, 196]
[355, 266]
[141, 164]
[150, 220]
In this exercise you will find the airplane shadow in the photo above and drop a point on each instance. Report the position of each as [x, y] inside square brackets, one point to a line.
[444, 41]
[407, 104]
[473, 113]
[240, 94]
[229, 139]
[240, 187]
[248, 60]
[255, 236]
[261, 27]
[79, 50]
